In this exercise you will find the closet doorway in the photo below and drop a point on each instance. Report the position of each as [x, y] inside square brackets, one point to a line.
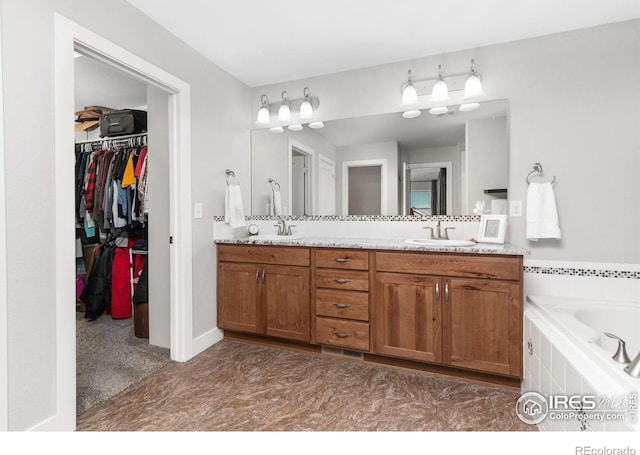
[176, 242]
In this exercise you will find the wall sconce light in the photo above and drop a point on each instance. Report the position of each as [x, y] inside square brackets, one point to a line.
[409, 93]
[284, 113]
[473, 86]
[454, 89]
[289, 111]
[263, 112]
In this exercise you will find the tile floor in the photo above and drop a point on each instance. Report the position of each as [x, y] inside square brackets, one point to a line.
[235, 386]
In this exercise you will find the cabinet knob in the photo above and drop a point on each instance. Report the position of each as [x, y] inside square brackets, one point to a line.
[341, 260]
[342, 334]
[341, 280]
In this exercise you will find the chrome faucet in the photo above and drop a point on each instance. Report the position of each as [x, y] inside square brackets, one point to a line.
[283, 229]
[633, 369]
[621, 354]
[438, 235]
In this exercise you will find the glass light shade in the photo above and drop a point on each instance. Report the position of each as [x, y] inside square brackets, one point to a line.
[466, 107]
[316, 125]
[412, 113]
[284, 113]
[438, 110]
[276, 129]
[440, 92]
[409, 95]
[263, 116]
[306, 111]
[295, 127]
[473, 87]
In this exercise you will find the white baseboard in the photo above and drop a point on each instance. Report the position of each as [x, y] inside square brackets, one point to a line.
[206, 340]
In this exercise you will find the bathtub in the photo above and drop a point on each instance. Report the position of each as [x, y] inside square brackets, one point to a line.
[566, 353]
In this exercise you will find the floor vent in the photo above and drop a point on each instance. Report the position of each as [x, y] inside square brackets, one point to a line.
[342, 353]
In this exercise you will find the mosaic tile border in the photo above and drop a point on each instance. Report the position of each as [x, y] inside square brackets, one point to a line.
[582, 272]
[450, 218]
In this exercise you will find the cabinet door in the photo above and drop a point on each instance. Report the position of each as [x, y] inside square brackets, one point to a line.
[238, 297]
[408, 316]
[483, 325]
[285, 298]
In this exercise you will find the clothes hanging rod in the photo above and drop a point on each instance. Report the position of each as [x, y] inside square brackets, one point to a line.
[114, 138]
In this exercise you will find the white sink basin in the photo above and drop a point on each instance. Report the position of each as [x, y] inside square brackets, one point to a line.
[434, 242]
[275, 238]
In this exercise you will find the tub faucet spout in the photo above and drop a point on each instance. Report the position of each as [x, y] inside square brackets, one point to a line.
[621, 354]
[633, 369]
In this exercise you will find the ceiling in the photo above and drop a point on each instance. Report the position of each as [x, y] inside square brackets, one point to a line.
[264, 42]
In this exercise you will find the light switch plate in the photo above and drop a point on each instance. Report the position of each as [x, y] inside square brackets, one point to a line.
[515, 208]
[197, 210]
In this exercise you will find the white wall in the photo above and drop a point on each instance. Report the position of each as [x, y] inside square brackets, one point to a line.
[380, 151]
[574, 106]
[220, 138]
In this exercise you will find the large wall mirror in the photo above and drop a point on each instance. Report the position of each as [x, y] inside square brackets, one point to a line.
[385, 165]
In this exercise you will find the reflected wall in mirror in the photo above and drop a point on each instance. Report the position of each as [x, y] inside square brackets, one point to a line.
[384, 165]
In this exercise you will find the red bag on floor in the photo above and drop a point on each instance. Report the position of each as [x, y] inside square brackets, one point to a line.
[121, 285]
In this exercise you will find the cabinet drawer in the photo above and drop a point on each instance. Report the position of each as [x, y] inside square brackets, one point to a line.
[264, 254]
[341, 333]
[342, 279]
[462, 265]
[342, 304]
[342, 259]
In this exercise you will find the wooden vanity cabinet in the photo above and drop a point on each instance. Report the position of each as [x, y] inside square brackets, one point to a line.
[264, 290]
[459, 310]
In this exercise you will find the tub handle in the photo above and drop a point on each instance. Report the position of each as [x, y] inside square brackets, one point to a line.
[621, 353]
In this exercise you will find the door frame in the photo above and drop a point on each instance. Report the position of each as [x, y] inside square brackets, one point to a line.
[305, 149]
[448, 165]
[4, 342]
[323, 191]
[70, 37]
[384, 189]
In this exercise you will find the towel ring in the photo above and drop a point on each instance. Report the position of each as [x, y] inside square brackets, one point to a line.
[537, 168]
[272, 182]
[230, 175]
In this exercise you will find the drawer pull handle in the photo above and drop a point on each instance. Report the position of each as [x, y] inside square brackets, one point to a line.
[342, 334]
[341, 260]
[341, 280]
[341, 305]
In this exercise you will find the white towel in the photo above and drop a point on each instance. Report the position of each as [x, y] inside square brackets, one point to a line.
[542, 213]
[276, 202]
[233, 210]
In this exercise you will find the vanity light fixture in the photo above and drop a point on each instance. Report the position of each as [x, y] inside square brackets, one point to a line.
[440, 92]
[296, 127]
[473, 85]
[412, 113]
[409, 93]
[466, 107]
[438, 110]
[284, 113]
[263, 112]
[316, 125]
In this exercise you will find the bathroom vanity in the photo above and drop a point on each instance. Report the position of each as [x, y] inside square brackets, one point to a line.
[449, 310]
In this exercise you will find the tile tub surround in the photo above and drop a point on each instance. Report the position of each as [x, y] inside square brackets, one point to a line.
[235, 386]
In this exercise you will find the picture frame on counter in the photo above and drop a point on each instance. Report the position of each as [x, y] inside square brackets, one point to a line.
[493, 229]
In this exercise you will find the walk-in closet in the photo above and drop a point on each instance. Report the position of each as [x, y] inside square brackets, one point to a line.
[112, 165]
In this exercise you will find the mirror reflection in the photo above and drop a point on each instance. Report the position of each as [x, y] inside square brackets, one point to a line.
[385, 164]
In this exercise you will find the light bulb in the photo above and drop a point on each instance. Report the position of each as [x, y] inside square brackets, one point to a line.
[412, 113]
[409, 93]
[438, 110]
[284, 113]
[466, 107]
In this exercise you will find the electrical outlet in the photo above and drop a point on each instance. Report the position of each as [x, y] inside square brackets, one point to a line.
[515, 208]
[197, 210]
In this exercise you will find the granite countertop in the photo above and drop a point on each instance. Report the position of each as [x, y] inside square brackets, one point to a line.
[379, 244]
